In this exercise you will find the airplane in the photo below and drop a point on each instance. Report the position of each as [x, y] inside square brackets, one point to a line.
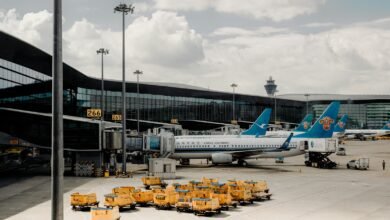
[225, 150]
[339, 128]
[258, 128]
[302, 127]
[367, 133]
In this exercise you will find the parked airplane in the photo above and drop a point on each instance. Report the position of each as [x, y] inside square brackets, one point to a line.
[367, 133]
[302, 127]
[339, 128]
[224, 150]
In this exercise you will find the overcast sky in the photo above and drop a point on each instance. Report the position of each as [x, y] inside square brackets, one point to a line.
[308, 46]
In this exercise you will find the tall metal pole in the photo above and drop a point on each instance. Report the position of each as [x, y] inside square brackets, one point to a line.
[275, 105]
[124, 9]
[103, 52]
[137, 72]
[57, 153]
[233, 85]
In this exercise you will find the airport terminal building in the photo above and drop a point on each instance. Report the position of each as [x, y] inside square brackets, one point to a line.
[25, 100]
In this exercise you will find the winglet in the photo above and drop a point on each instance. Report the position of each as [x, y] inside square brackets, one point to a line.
[305, 124]
[324, 126]
[259, 127]
[340, 126]
[286, 143]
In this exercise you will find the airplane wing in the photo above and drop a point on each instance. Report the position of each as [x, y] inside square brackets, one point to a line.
[247, 153]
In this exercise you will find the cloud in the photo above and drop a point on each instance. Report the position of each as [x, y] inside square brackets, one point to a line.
[234, 31]
[319, 24]
[345, 60]
[161, 42]
[350, 59]
[29, 28]
[276, 10]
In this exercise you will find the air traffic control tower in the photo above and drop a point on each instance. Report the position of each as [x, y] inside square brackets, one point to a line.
[270, 87]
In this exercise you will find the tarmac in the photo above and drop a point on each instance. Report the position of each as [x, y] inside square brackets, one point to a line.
[299, 192]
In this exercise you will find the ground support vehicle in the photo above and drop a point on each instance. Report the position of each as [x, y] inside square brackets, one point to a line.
[105, 213]
[183, 205]
[240, 194]
[143, 198]
[81, 201]
[359, 164]
[259, 189]
[205, 206]
[225, 200]
[319, 160]
[165, 200]
[193, 184]
[119, 200]
[153, 181]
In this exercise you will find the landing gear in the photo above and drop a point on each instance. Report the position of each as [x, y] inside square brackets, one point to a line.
[242, 163]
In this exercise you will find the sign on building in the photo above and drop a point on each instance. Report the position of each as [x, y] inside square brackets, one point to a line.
[116, 117]
[94, 113]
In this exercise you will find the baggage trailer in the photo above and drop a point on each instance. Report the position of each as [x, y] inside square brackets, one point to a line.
[153, 181]
[165, 200]
[259, 189]
[82, 201]
[119, 200]
[143, 198]
[240, 194]
[225, 200]
[184, 202]
[205, 206]
[105, 213]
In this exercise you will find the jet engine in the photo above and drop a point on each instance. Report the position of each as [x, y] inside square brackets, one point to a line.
[221, 158]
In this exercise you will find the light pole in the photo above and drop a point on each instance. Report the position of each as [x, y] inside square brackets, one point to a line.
[57, 131]
[307, 103]
[103, 52]
[275, 103]
[137, 72]
[233, 85]
[124, 9]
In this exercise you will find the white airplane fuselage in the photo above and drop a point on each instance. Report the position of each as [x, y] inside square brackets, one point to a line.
[203, 147]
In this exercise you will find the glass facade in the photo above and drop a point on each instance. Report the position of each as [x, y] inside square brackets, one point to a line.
[12, 75]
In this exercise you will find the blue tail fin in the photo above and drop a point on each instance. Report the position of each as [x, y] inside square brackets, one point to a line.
[387, 126]
[324, 126]
[340, 126]
[259, 127]
[305, 124]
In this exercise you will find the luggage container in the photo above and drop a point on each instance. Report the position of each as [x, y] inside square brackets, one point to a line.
[165, 200]
[143, 198]
[240, 194]
[258, 189]
[105, 213]
[201, 192]
[225, 200]
[127, 190]
[152, 181]
[80, 201]
[119, 200]
[205, 206]
[184, 202]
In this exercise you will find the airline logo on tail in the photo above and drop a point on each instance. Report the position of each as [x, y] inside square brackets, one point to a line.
[306, 125]
[326, 123]
[341, 124]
